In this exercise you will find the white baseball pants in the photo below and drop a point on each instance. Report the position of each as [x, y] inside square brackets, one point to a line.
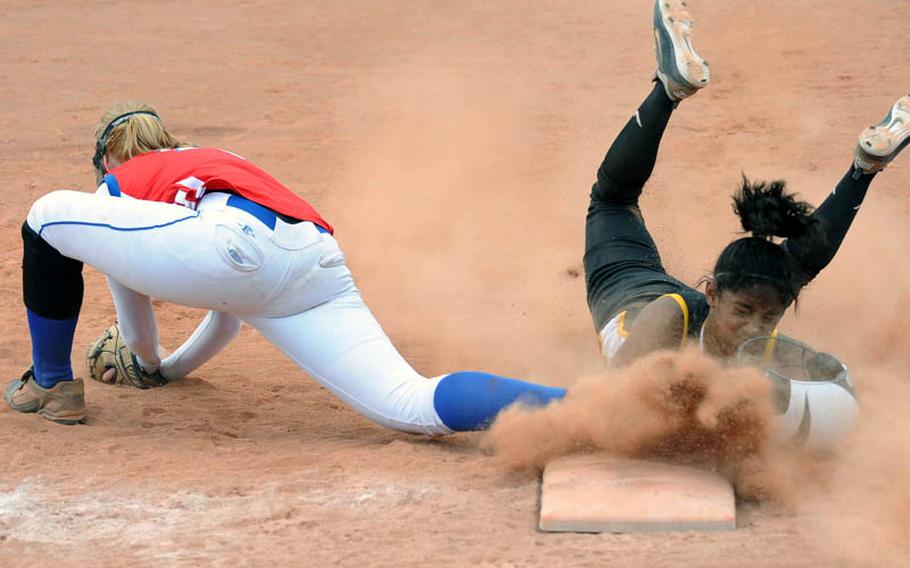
[290, 283]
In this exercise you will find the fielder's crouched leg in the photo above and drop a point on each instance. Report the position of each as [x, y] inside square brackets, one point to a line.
[52, 289]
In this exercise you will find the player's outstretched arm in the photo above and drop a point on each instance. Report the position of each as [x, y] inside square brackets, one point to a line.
[137, 324]
[216, 331]
[140, 333]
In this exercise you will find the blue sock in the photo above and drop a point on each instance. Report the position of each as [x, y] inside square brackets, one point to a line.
[52, 344]
[470, 400]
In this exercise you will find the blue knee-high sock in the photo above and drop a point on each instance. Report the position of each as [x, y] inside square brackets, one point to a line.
[52, 344]
[470, 400]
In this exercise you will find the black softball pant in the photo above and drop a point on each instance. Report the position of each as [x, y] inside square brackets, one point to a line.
[623, 269]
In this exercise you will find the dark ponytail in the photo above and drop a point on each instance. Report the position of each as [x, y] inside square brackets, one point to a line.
[766, 210]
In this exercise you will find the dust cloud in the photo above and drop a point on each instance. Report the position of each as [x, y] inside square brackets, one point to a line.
[677, 407]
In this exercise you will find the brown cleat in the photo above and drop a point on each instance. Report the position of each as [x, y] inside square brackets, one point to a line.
[63, 403]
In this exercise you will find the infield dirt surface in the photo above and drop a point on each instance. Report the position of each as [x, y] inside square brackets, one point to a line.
[452, 145]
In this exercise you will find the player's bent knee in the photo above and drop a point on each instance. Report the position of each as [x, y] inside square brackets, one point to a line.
[52, 283]
[48, 208]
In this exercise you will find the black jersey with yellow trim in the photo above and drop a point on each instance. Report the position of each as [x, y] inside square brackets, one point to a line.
[694, 308]
[692, 304]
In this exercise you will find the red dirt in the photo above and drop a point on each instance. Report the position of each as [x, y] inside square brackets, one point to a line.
[452, 145]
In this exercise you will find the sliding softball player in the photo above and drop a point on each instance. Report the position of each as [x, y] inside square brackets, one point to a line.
[638, 307]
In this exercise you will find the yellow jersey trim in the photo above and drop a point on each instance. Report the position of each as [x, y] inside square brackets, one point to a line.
[769, 349]
[620, 325]
[685, 313]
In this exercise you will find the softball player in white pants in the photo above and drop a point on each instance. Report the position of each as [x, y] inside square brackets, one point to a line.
[218, 249]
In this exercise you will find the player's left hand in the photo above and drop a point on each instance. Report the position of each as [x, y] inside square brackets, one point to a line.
[110, 361]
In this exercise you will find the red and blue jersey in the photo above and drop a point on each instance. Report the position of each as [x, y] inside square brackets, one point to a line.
[184, 175]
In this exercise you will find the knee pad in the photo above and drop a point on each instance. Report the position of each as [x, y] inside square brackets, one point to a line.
[52, 285]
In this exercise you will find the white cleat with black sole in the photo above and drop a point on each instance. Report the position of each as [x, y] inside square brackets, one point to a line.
[881, 143]
[681, 70]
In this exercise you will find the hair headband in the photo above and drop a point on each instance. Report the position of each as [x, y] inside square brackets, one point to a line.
[101, 143]
[771, 279]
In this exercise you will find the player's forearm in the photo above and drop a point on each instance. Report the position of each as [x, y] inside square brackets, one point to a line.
[137, 323]
[215, 332]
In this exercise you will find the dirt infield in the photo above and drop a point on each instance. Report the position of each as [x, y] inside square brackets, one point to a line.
[452, 145]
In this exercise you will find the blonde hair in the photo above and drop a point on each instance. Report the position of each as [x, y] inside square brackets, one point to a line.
[139, 134]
